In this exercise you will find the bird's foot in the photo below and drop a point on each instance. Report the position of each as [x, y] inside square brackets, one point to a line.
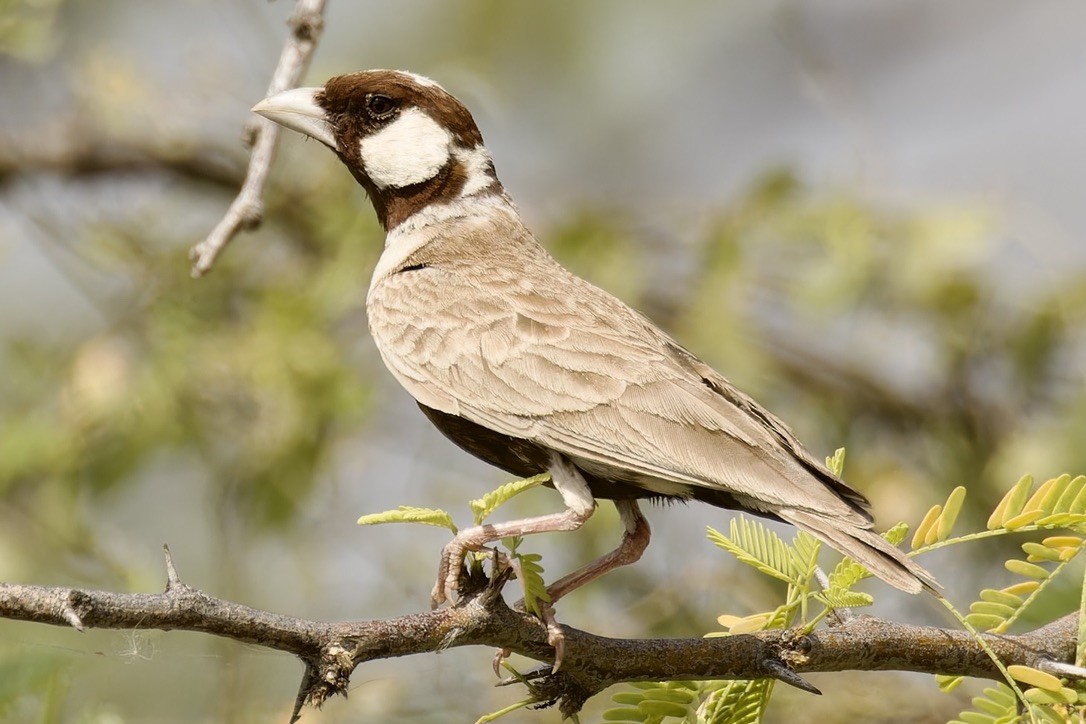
[555, 637]
[451, 568]
[499, 658]
[448, 571]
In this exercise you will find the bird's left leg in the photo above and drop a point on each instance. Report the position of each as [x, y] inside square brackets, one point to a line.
[580, 505]
[634, 541]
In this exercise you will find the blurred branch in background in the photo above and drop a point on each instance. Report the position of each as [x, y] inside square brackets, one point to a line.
[80, 155]
[247, 209]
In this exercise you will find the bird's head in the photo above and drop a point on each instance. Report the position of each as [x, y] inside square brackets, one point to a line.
[404, 137]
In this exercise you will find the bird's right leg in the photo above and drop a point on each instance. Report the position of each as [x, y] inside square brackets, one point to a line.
[580, 505]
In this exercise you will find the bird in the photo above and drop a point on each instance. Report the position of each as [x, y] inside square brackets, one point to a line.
[535, 370]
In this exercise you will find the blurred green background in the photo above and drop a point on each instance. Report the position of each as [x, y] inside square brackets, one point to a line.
[868, 215]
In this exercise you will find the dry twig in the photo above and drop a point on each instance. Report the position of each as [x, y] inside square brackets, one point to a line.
[247, 210]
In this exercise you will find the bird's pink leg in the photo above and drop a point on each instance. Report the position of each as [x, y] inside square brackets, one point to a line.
[634, 542]
[580, 505]
[475, 538]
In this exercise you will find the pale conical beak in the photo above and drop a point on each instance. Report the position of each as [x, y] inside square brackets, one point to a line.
[296, 109]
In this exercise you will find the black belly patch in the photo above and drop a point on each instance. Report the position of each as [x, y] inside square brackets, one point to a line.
[525, 458]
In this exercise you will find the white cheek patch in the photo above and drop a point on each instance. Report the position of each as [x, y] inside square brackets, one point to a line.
[479, 167]
[410, 150]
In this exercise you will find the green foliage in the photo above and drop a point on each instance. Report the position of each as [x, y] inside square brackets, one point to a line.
[484, 506]
[1054, 505]
[27, 28]
[530, 573]
[1024, 509]
[757, 546]
[836, 462]
[652, 703]
[409, 514]
[526, 565]
[999, 705]
[243, 374]
[825, 256]
[737, 702]
[939, 521]
[1051, 507]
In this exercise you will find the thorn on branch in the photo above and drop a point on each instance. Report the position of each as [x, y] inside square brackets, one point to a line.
[780, 671]
[325, 678]
[309, 682]
[172, 579]
[499, 658]
[70, 614]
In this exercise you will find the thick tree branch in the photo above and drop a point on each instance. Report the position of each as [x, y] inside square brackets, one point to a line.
[247, 210]
[331, 651]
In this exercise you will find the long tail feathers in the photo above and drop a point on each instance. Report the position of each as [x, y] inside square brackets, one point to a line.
[867, 547]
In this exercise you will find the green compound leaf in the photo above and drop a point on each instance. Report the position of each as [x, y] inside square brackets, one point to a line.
[484, 506]
[939, 521]
[836, 462]
[410, 514]
[654, 702]
[836, 598]
[757, 546]
[531, 575]
[897, 535]
[997, 704]
[738, 702]
[1012, 503]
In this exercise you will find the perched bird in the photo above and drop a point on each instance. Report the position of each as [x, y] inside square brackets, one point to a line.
[533, 369]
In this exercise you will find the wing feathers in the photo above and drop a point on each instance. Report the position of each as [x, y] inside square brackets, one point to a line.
[542, 355]
[868, 548]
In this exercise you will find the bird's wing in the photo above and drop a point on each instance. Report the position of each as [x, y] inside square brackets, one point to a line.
[542, 355]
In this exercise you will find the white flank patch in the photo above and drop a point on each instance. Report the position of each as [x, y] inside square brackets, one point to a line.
[478, 163]
[571, 484]
[410, 150]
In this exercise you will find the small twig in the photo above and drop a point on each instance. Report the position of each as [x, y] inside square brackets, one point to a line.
[839, 615]
[247, 210]
[1059, 668]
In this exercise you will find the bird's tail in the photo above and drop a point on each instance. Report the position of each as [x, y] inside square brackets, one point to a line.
[868, 548]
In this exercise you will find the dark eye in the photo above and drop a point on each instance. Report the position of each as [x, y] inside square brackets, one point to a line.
[380, 106]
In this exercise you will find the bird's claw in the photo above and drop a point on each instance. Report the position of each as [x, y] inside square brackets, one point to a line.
[555, 637]
[448, 573]
[499, 658]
